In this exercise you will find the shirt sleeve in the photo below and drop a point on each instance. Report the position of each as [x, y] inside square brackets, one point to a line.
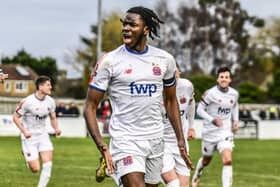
[22, 107]
[235, 111]
[52, 105]
[191, 108]
[201, 108]
[169, 76]
[101, 74]
[191, 113]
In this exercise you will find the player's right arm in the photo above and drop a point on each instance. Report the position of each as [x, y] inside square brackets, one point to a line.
[17, 121]
[93, 98]
[202, 110]
[20, 110]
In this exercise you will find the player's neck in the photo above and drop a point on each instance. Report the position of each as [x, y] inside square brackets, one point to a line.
[222, 89]
[139, 48]
[40, 95]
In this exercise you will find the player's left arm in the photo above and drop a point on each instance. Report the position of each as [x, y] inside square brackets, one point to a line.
[191, 114]
[55, 124]
[172, 110]
[235, 116]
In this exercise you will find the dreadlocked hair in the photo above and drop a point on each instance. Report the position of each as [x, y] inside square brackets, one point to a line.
[151, 19]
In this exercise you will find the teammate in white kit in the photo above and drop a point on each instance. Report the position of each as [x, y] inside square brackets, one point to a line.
[135, 76]
[175, 173]
[219, 109]
[30, 117]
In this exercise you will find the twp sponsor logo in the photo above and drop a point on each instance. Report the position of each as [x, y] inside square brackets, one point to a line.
[37, 117]
[223, 110]
[142, 89]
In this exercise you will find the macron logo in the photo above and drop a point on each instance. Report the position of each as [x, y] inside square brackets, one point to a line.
[142, 89]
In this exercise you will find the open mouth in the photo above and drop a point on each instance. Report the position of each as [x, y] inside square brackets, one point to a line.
[126, 36]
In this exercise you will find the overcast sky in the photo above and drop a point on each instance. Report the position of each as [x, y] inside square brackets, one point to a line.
[52, 27]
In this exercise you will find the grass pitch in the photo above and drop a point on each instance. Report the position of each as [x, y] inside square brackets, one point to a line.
[255, 164]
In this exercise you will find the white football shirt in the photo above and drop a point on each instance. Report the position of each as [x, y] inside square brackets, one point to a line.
[34, 113]
[217, 104]
[135, 82]
[185, 95]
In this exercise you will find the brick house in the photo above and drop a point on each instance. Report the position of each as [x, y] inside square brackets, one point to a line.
[20, 82]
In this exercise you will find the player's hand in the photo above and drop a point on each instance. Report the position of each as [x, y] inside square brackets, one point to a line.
[3, 77]
[191, 134]
[57, 132]
[218, 122]
[27, 134]
[108, 158]
[184, 154]
[235, 127]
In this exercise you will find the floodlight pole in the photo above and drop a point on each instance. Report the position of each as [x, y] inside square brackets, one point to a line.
[99, 30]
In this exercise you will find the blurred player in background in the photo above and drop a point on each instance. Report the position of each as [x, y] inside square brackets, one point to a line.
[135, 75]
[33, 111]
[175, 172]
[219, 109]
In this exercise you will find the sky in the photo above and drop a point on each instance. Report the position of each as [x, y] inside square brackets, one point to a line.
[52, 27]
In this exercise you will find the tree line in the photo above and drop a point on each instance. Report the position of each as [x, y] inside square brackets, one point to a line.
[202, 37]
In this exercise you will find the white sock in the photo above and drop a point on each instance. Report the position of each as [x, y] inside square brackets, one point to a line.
[227, 176]
[174, 183]
[198, 169]
[45, 174]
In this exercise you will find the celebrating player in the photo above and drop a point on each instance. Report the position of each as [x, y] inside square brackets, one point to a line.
[175, 173]
[33, 111]
[135, 75]
[219, 109]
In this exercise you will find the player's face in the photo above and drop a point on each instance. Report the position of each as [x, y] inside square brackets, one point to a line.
[46, 88]
[224, 79]
[134, 31]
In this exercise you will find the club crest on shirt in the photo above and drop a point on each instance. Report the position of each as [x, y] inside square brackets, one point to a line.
[156, 70]
[127, 160]
[231, 101]
[183, 100]
[128, 71]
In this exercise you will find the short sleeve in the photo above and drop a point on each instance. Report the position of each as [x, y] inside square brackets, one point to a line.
[206, 98]
[169, 76]
[101, 75]
[22, 107]
[52, 105]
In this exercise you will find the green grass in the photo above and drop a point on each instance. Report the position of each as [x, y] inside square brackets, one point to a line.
[256, 164]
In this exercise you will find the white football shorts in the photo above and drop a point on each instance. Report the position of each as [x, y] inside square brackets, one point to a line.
[208, 148]
[173, 160]
[31, 147]
[138, 156]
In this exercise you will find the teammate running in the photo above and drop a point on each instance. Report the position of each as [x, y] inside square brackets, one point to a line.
[219, 109]
[175, 171]
[33, 111]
